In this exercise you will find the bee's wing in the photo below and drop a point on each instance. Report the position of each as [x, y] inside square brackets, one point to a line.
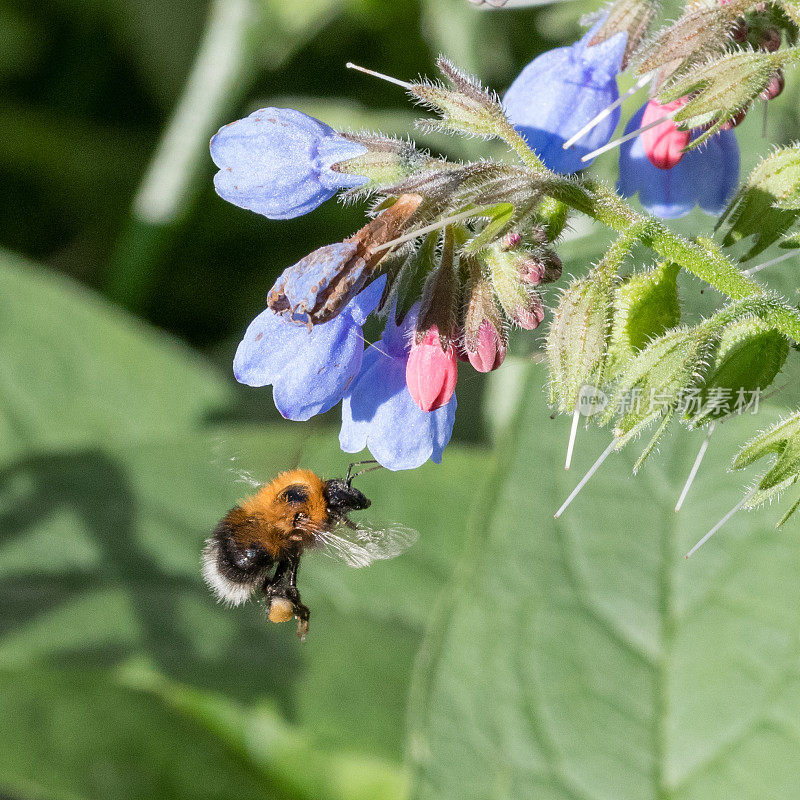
[360, 546]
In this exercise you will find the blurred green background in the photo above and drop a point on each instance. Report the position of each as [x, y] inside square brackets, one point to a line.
[505, 655]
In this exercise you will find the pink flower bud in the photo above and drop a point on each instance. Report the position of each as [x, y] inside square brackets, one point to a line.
[770, 40]
[431, 372]
[510, 241]
[663, 144]
[774, 87]
[740, 32]
[490, 350]
[531, 317]
[531, 271]
[736, 119]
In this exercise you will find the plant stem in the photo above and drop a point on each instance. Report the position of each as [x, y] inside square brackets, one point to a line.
[702, 258]
[514, 140]
[213, 86]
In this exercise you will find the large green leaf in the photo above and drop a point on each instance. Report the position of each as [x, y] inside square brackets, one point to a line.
[111, 477]
[586, 659]
[99, 556]
[79, 736]
[77, 370]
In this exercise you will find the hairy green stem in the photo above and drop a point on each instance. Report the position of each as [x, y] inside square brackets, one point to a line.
[701, 258]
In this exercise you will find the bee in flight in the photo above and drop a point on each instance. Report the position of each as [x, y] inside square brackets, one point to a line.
[258, 544]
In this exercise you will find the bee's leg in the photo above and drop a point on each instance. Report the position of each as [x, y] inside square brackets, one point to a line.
[284, 584]
[301, 612]
[280, 579]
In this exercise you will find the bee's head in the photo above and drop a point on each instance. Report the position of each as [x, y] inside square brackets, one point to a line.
[342, 498]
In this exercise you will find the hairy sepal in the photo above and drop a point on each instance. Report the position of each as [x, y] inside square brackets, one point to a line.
[768, 204]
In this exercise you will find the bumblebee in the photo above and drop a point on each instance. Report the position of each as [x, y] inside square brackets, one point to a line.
[258, 544]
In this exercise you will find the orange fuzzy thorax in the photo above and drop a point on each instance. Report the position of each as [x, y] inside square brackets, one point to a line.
[277, 518]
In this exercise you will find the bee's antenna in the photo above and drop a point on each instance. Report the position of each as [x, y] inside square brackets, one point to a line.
[349, 477]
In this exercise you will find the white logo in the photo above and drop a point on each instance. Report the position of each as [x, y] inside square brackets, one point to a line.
[591, 400]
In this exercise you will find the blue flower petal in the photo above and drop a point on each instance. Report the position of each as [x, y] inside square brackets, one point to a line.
[559, 92]
[310, 370]
[604, 58]
[277, 162]
[721, 169]
[321, 370]
[380, 414]
[364, 303]
[396, 339]
[707, 176]
[269, 342]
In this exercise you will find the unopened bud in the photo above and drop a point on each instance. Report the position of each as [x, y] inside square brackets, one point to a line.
[464, 105]
[513, 291]
[774, 87]
[770, 40]
[578, 338]
[484, 340]
[663, 144]
[736, 120]
[510, 241]
[539, 266]
[531, 271]
[490, 351]
[431, 372]
[740, 33]
[531, 315]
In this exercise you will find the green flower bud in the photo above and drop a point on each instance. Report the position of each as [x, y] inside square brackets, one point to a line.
[577, 341]
[464, 105]
[702, 30]
[440, 297]
[720, 89]
[781, 440]
[485, 341]
[768, 204]
[520, 302]
[655, 383]
[749, 357]
[646, 305]
[387, 161]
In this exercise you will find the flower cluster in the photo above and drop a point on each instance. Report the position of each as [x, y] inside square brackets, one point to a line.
[455, 254]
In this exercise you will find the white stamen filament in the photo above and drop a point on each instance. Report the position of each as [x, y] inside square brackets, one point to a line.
[585, 479]
[696, 466]
[372, 345]
[488, 5]
[595, 121]
[576, 415]
[719, 524]
[442, 223]
[389, 78]
[771, 262]
[628, 136]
